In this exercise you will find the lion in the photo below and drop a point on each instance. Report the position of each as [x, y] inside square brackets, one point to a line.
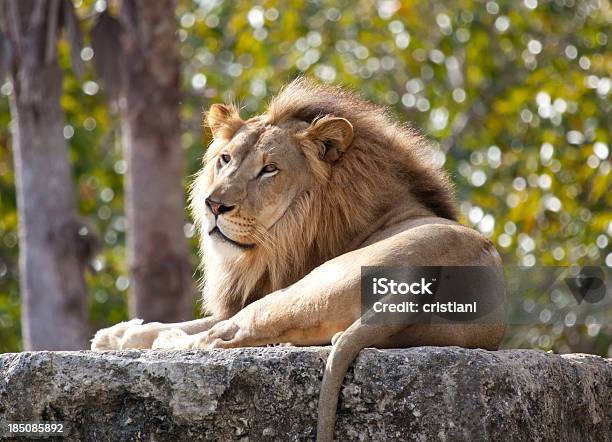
[290, 205]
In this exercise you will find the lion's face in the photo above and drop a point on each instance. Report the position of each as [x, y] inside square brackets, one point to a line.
[250, 182]
[254, 171]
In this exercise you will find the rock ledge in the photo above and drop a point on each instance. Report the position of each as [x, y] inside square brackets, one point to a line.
[260, 394]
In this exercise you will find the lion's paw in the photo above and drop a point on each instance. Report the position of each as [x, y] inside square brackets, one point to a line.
[173, 339]
[130, 334]
[225, 334]
[111, 338]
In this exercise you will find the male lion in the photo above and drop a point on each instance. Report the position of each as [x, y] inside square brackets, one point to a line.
[290, 205]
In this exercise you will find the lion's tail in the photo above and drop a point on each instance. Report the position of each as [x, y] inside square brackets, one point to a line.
[344, 351]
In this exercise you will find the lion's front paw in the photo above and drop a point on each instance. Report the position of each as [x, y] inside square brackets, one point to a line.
[173, 339]
[130, 334]
[225, 334]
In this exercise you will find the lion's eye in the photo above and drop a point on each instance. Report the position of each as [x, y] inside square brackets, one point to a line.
[225, 158]
[268, 170]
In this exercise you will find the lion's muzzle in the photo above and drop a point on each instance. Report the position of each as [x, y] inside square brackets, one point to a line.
[217, 207]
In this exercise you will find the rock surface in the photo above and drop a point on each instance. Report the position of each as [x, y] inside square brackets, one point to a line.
[261, 394]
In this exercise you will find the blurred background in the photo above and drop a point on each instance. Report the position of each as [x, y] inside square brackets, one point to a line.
[514, 95]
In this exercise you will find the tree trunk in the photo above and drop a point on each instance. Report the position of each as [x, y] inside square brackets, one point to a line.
[52, 259]
[162, 288]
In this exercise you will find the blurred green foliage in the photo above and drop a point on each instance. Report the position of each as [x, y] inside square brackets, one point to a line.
[514, 95]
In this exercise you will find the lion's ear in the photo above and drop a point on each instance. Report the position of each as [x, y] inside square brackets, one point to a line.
[223, 120]
[335, 135]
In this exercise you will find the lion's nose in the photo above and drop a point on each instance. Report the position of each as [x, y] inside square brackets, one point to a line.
[217, 207]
